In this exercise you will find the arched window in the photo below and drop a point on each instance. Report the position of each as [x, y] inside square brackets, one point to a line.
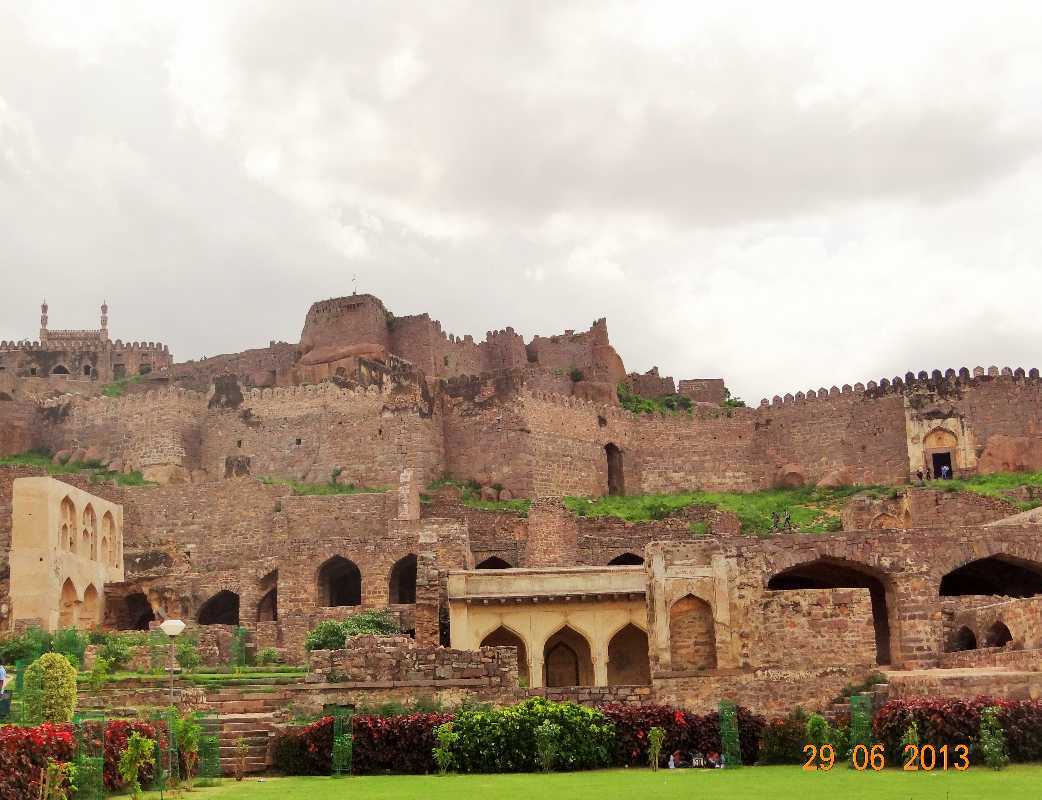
[692, 635]
[567, 660]
[493, 562]
[626, 560]
[69, 533]
[60, 370]
[90, 533]
[628, 662]
[107, 553]
[339, 583]
[504, 637]
[998, 635]
[221, 609]
[402, 587]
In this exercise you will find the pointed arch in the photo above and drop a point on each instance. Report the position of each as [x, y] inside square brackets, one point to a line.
[90, 533]
[68, 531]
[692, 635]
[626, 560]
[494, 562]
[90, 612]
[504, 637]
[221, 609]
[402, 584]
[60, 369]
[567, 659]
[339, 583]
[998, 635]
[835, 573]
[106, 552]
[628, 660]
[998, 574]
[68, 606]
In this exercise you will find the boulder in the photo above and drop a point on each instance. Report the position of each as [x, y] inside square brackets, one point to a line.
[505, 494]
[488, 493]
[790, 477]
[94, 454]
[78, 455]
[61, 457]
[835, 478]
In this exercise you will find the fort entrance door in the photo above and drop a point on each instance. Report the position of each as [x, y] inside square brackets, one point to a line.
[941, 460]
[616, 483]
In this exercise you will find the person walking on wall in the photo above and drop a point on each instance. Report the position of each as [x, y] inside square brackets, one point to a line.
[946, 472]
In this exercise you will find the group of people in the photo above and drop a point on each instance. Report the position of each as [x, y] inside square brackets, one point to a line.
[945, 474]
[677, 760]
[780, 522]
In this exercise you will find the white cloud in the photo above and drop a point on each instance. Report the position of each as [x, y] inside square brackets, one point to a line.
[789, 196]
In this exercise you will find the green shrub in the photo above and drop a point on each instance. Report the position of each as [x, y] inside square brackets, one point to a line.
[446, 738]
[138, 754]
[910, 738]
[547, 744]
[782, 740]
[188, 653]
[655, 738]
[268, 656]
[70, 642]
[991, 741]
[331, 634]
[50, 689]
[116, 650]
[99, 673]
[504, 739]
[28, 646]
[187, 731]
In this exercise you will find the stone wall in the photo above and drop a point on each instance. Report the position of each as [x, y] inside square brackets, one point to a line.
[924, 508]
[398, 660]
[1023, 618]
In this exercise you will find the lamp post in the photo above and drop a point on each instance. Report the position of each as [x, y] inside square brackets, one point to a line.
[172, 628]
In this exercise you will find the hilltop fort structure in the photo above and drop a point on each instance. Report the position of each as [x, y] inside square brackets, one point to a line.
[942, 590]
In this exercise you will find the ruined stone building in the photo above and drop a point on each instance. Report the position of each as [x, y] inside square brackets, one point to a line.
[686, 607]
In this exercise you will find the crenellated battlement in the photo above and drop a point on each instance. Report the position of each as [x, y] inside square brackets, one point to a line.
[165, 396]
[921, 381]
[314, 390]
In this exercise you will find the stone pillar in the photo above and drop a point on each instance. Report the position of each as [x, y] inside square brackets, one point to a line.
[553, 535]
[600, 662]
[535, 668]
[428, 597]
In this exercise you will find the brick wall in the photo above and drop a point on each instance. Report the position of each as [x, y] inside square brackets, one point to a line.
[812, 626]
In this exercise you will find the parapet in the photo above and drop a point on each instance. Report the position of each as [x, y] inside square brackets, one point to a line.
[935, 381]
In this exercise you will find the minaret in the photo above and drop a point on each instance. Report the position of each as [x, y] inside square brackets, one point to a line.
[104, 321]
[43, 321]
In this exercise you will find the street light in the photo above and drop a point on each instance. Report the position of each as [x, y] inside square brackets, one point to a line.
[172, 628]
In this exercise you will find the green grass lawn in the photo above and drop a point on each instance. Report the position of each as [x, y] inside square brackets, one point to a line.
[768, 783]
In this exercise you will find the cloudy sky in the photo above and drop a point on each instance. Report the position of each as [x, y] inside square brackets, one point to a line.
[830, 193]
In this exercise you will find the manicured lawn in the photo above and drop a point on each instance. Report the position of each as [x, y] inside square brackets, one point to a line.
[769, 783]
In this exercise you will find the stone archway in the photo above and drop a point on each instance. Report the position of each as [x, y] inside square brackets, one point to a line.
[963, 639]
[567, 660]
[828, 573]
[339, 583]
[90, 612]
[628, 661]
[999, 574]
[692, 635]
[493, 562]
[939, 448]
[221, 609]
[268, 607]
[998, 635]
[402, 583]
[504, 637]
[626, 560]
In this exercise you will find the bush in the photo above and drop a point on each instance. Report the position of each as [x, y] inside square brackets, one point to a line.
[99, 673]
[187, 651]
[268, 656]
[332, 634]
[307, 750]
[403, 743]
[50, 689]
[138, 754]
[504, 739]
[783, 740]
[991, 742]
[691, 733]
[954, 722]
[656, 736]
[117, 734]
[27, 646]
[70, 642]
[442, 752]
[547, 744]
[25, 751]
[116, 650]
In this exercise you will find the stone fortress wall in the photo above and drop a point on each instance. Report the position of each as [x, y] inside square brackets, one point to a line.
[389, 403]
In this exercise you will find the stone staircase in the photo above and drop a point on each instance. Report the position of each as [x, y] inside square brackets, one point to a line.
[256, 729]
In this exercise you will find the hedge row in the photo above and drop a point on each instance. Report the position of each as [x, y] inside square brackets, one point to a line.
[503, 739]
[25, 751]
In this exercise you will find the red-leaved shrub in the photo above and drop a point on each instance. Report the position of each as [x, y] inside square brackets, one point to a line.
[24, 751]
[947, 721]
[306, 750]
[685, 731]
[117, 732]
[401, 744]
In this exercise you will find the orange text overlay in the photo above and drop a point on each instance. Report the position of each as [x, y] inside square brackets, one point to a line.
[913, 757]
